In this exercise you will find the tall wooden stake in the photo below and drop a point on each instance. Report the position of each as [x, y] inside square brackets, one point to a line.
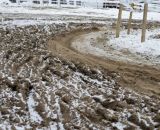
[129, 23]
[118, 26]
[59, 3]
[144, 22]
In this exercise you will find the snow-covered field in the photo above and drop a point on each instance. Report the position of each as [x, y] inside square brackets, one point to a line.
[107, 13]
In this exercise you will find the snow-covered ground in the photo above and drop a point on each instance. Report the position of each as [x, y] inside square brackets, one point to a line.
[126, 48]
[132, 42]
[22, 23]
[107, 13]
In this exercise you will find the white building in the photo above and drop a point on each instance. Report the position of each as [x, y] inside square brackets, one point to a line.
[70, 3]
[49, 2]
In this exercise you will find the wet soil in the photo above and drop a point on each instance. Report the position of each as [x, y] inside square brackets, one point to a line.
[142, 78]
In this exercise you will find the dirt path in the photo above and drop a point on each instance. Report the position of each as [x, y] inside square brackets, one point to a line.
[145, 79]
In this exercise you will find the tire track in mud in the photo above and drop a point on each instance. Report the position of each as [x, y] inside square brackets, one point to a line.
[145, 79]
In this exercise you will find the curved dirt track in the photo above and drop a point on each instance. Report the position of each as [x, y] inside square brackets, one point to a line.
[145, 79]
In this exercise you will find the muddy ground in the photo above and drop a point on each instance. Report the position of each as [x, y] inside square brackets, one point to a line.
[143, 78]
[45, 84]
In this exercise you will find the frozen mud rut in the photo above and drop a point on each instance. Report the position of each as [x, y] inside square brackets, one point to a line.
[42, 90]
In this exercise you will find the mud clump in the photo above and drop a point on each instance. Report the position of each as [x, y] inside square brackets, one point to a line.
[157, 118]
[134, 118]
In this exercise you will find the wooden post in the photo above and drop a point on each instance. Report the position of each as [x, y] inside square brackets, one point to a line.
[18, 2]
[118, 26]
[129, 23]
[144, 24]
[2, 20]
[59, 3]
[50, 2]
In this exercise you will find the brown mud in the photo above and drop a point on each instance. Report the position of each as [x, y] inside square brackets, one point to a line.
[142, 78]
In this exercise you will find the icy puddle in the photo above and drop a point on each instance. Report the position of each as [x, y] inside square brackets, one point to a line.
[127, 48]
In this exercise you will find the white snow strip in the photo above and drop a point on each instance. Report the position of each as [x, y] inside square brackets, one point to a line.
[34, 116]
[108, 13]
[119, 125]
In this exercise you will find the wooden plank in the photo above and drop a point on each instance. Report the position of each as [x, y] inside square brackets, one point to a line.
[129, 23]
[119, 20]
[144, 24]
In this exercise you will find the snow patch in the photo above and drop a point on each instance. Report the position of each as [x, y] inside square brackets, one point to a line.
[34, 116]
